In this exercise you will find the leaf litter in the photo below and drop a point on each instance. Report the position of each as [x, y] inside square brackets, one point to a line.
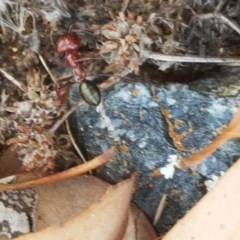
[30, 110]
[107, 211]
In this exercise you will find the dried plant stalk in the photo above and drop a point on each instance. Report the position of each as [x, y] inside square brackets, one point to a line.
[47, 69]
[190, 59]
[60, 121]
[13, 80]
[232, 130]
[72, 172]
[82, 158]
[160, 209]
[222, 18]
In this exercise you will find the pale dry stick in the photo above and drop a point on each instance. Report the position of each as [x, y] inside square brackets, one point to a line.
[220, 5]
[47, 69]
[230, 23]
[222, 18]
[125, 4]
[67, 174]
[60, 121]
[114, 79]
[74, 142]
[160, 209]
[189, 59]
[13, 80]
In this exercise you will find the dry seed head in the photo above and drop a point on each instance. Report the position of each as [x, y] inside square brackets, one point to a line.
[4, 4]
[124, 36]
[16, 19]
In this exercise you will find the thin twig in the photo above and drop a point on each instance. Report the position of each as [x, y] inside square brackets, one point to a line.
[160, 209]
[222, 18]
[74, 142]
[13, 80]
[230, 23]
[220, 5]
[60, 121]
[114, 79]
[189, 59]
[125, 4]
[48, 70]
[67, 174]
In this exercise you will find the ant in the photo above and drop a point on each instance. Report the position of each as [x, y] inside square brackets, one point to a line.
[70, 44]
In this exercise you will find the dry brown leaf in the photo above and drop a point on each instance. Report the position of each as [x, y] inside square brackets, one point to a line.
[106, 219]
[216, 215]
[139, 228]
[77, 194]
[71, 197]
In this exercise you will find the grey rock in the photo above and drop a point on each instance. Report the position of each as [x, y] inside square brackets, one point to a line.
[17, 208]
[132, 115]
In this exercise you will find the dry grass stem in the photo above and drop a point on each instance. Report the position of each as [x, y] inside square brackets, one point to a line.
[74, 142]
[72, 172]
[16, 22]
[114, 79]
[13, 80]
[222, 18]
[47, 69]
[190, 59]
[60, 121]
[125, 5]
[220, 5]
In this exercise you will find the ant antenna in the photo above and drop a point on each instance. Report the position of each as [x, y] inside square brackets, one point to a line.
[70, 29]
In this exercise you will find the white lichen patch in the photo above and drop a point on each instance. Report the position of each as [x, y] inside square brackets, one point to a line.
[218, 109]
[170, 101]
[168, 170]
[124, 95]
[142, 143]
[213, 179]
[105, 120]
[131, 135]
[142, 91]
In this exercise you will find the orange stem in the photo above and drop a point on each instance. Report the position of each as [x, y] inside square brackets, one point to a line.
[232, 127]
[72, 172]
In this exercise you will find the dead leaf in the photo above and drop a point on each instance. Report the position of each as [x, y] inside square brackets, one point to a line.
[139, 227]
[71, 197]
[106, 219]
[77, 194]
[216, 215]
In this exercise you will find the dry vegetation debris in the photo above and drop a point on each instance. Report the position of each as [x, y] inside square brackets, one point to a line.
[167, 34]
[162, 32]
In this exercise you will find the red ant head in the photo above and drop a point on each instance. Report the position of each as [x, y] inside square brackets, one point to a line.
[68, 43]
